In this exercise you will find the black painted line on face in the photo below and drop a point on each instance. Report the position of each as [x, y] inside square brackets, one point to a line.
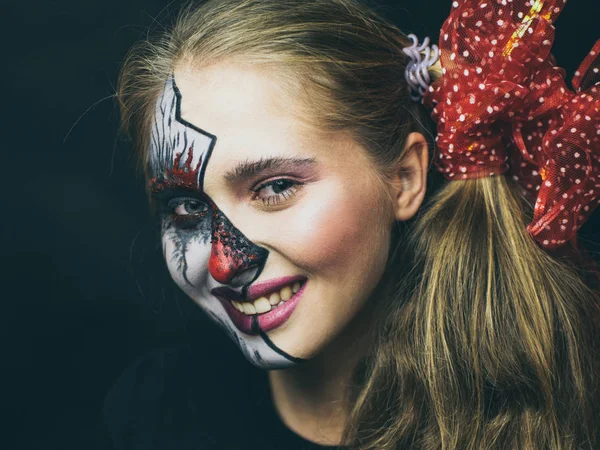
[182, 247]
[184, 122]
[258, 357]
[270, 343]
[258, 272]
[206, 160]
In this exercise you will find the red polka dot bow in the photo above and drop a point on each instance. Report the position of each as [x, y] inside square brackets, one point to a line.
[502, 105]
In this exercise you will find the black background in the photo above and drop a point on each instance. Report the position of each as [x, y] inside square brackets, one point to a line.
[84, 288]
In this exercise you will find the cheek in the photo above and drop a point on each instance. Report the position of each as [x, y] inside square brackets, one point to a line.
[338, 231]
[187, 257]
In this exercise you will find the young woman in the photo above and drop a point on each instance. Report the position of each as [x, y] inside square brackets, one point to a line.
[288, 154]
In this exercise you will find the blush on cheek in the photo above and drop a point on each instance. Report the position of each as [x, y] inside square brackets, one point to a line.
[335, 234]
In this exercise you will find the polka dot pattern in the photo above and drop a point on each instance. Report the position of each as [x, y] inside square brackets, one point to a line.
[503, 107]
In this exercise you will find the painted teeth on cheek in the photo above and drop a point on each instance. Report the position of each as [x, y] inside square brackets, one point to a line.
[265, 304]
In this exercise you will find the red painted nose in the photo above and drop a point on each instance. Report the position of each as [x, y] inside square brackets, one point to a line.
[223, 264]
[232, 255]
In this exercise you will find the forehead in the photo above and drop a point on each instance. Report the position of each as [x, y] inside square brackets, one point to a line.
[235, 91]
[237, 102]
[248, 114]
[250, 111]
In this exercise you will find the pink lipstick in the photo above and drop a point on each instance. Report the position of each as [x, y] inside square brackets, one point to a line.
[279, 314]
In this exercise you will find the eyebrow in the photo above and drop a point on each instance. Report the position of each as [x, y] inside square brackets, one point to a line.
[249, 169]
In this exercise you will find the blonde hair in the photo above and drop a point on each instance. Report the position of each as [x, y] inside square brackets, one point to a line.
[484, 340]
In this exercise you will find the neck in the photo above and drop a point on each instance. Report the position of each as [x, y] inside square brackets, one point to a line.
[312, 398]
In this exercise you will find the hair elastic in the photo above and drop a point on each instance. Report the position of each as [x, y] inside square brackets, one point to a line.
[417, 70]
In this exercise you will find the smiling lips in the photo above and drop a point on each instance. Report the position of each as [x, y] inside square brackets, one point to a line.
[269, 304]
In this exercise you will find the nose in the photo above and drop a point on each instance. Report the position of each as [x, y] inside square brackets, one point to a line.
[234, 259]
[229, 266]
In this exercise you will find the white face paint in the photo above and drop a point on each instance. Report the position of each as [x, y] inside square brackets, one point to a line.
[207, 256]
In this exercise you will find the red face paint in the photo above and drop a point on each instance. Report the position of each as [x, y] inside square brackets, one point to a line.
[177, 176]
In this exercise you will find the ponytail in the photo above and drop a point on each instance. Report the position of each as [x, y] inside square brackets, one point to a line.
[490, 342]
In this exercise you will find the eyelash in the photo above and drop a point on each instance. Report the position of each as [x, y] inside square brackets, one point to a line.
[277, 198]
[186, 220]
[190, 220]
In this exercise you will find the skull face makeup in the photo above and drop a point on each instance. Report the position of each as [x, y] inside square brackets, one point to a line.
[265, 224]
[224, 261]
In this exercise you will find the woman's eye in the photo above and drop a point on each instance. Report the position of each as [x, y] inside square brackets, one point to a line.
[188, 207]
[276, 191]
[186, 212]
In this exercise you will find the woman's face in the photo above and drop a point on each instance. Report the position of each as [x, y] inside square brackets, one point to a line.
[279, 231]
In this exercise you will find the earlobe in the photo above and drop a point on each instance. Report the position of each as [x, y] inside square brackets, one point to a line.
[410, 177]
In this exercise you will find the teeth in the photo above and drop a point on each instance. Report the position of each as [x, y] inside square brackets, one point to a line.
[274, 299]
[249, 308]
[286, 293]
[262, 305]
[237, 306]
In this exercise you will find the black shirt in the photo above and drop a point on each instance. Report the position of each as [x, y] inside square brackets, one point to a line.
[177, 398]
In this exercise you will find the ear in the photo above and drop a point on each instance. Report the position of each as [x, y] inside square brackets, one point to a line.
[410, 177]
